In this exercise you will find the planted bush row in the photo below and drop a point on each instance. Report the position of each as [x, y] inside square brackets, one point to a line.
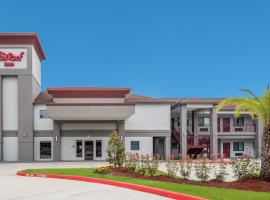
[242, 168]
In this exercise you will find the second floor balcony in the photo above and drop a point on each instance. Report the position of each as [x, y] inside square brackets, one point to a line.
[223, 129]
[229, 128]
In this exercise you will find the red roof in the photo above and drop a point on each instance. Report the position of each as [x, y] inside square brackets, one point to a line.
[88, 92]
[202, 100]
[43, 98]
[95, 92]
[135, 98]
[23, 38]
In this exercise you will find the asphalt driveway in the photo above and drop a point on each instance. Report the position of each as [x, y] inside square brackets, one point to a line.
[16, 187]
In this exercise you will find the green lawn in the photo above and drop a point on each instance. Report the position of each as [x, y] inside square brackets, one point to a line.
[201, 191]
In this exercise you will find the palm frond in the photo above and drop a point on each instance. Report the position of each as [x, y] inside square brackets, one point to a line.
[252, 94]
[256, 106]
[229, 102]
[266, 101]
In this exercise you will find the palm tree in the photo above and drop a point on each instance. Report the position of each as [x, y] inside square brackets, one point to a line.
[258, 108]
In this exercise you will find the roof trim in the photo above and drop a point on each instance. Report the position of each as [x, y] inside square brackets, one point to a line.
[23, 38]
[90, 104]
[88, 92]
[43, 98]
[135, 98]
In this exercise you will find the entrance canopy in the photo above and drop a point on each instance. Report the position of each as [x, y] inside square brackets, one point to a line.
[90, 103]
[90, 111]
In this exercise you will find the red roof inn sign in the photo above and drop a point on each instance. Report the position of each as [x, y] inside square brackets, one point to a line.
[13, 58]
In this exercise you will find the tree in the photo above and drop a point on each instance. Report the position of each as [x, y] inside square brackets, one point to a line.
[116, 150]
[258, 108]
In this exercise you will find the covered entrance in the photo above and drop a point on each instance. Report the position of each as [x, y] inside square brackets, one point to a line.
[159, 146]
[89, 150]
[81, 114]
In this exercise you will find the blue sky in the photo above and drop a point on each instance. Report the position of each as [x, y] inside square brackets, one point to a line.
[158, 48]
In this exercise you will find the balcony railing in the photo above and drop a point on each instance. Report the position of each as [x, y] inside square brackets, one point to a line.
[203, 128]
[202, 140]
[224, 128]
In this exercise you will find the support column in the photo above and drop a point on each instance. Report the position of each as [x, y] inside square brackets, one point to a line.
[121, 129]
[213, 134]
[183, 131]
[196, 128]
[56, 141]
[258, 141]
[168, 147]
[25, 119]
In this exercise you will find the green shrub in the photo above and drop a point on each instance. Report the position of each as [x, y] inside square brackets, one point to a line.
[142, 167]
[172, 168]
[152, 164]
[185, 167]
[116, 150]
[245, 167]
[221, 170]
[202, 169]
[255, 168]
[103, 170]
[132, 162]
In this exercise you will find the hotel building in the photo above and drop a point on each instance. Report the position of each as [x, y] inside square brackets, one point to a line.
[74, 124]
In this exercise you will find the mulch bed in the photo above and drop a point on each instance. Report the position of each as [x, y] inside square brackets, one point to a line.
[250, 184]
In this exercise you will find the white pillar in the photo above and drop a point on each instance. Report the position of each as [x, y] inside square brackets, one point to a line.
[213, 134]
[121, 129]
[259, 134]
[183, 130]
[168, 146]
[196, 128]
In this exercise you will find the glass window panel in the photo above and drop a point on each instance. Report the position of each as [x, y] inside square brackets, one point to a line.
[98, 148]
[43, 114]
[45, 150]
[79, 148]
[135, 145]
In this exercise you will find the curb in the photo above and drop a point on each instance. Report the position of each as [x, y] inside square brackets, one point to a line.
[156, 191]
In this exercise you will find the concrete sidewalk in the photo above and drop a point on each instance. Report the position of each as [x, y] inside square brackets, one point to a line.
[14, 187]
[12, 168]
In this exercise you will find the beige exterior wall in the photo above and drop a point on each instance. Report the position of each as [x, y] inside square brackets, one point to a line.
[150, 117]
[10, 103]
[36, 66]
[40, 123]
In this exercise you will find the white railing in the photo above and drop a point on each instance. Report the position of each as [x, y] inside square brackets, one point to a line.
[224, 128]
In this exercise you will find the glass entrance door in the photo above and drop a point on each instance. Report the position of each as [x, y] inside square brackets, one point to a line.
[89, 150]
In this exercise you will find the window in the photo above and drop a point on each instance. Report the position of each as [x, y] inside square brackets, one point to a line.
[172, 123]
[45, 150]
[239, 121]
[98, 148]
[188, 122]
[43, 114]
[203, 121]
[174, 146]
[238, 146]
[135, 145]
[79, 148]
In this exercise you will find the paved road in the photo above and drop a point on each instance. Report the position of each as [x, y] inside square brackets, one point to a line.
[14, 187]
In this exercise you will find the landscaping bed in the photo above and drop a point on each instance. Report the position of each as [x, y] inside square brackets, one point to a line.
[250, 184]
[161, 181]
